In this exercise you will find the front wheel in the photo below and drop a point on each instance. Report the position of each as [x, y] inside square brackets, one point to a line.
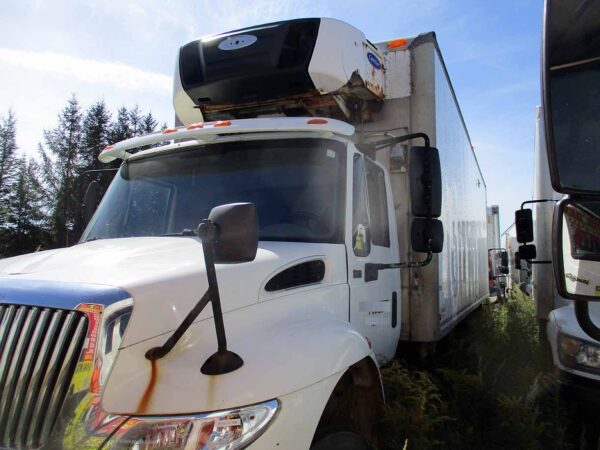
[341, 440]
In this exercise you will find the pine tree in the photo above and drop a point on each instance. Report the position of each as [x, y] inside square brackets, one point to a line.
[26, 228]
[8, 159]
[149, 124]
[136, 121]
[62, 167]
[120, 129]
[95, 135]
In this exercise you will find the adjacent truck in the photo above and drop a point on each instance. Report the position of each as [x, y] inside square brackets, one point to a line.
[290, 202]
[566, 253]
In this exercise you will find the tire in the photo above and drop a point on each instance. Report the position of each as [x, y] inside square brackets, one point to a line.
[341, 440]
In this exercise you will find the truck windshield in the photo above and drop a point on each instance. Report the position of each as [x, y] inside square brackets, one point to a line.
[297, 186]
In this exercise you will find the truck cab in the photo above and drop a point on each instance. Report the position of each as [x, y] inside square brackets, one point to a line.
[285, 198]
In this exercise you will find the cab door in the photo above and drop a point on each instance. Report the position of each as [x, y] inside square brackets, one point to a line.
[374, 305]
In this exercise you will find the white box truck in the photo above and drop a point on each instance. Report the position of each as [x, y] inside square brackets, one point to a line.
[555, 313]
[565, 247]
[289, 202]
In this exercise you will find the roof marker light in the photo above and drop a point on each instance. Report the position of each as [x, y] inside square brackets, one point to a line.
[195, 126]
[222, 123]
[316, 122]
[397, 43]
[169, 130]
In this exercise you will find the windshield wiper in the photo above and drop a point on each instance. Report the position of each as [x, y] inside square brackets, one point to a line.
[185, 232]
[93, 238]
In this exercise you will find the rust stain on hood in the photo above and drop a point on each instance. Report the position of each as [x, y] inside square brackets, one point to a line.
[145, 400]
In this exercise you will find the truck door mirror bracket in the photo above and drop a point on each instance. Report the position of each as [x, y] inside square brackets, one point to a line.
[229, 235]
[372, 269]
[525, 235]
[427, 232]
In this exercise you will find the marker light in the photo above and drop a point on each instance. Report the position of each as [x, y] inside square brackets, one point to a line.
[397, 43]
[109, 147]
[195, 126]
[316, 122]
[222, 123]
[169, 130]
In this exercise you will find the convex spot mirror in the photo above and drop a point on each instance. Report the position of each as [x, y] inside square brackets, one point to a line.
[527, 252]
[426, 235]
[577, 249]
[237, 235]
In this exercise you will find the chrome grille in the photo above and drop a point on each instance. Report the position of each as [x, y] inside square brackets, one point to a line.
[39, 349]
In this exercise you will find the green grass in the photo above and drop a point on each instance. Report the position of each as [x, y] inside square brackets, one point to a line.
[489, 387]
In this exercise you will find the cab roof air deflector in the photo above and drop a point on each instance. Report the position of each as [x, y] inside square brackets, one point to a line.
[209, 131]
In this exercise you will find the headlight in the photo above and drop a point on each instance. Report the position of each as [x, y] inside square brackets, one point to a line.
[226, 430]
[580, 354]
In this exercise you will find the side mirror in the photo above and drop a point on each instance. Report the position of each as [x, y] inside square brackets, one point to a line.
[90, 201]
[577, 249]
[504, 269]
[504, 258]
[425, 182]
[427, 233]
[236, 229]
[524, 226]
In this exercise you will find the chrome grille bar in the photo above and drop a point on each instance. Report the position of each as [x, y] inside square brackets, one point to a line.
[39, 349]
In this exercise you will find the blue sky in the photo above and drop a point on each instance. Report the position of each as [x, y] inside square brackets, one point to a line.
[124, 51]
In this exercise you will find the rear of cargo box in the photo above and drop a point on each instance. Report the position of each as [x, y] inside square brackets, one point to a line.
[419, 97]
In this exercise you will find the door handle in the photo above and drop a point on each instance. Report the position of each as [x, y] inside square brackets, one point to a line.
[394, 309]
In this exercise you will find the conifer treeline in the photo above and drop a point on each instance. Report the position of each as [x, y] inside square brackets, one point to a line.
[41, 198]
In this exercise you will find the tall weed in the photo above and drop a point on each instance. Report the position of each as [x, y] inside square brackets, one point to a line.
[488, 388]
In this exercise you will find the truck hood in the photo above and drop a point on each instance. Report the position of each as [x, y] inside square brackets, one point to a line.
[166, 276]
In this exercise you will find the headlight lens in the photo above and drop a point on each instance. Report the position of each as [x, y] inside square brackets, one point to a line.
[227, 430]
[577, 353]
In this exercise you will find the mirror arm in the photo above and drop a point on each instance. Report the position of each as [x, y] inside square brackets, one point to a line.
[158, 352]
[582, 313]
[223, 361]
[543, 200]
[374, 146]
[372, 269]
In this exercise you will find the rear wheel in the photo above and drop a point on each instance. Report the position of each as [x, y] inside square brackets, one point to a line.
[341, 440]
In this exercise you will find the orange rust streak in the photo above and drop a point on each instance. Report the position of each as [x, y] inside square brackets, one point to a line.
[143, 405]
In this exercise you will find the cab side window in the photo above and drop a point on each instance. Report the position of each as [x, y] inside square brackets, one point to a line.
[378, 211]
[360, 216]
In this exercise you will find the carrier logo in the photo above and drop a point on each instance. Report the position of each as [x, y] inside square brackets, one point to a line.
[237, 42]
[374, 60]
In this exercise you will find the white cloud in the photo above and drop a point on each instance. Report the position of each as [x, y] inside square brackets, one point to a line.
[87, 70]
